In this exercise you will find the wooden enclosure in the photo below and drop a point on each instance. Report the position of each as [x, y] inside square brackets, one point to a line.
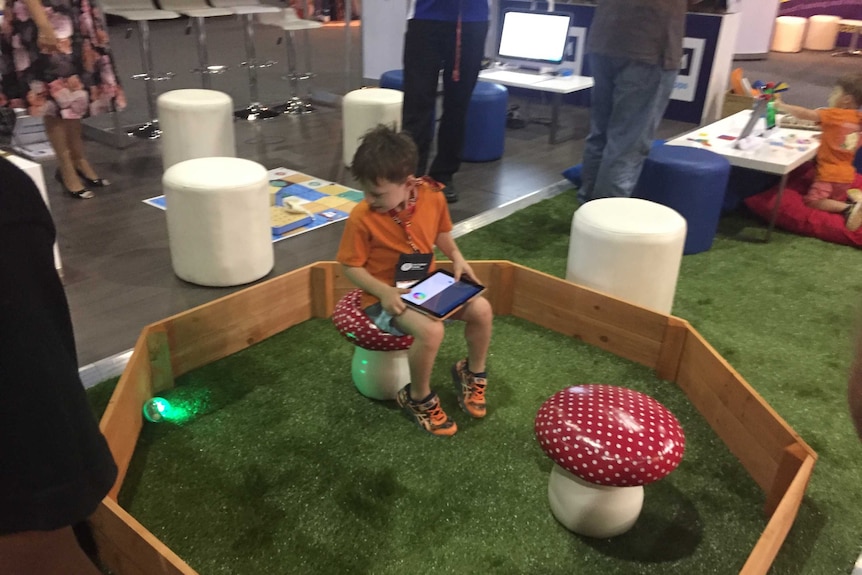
[778, 460]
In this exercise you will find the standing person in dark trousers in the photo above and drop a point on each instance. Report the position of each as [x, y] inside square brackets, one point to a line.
[447, 34]
[55, 465]
[634, 49]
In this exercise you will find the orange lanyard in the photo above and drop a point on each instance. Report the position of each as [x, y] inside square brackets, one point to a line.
[405, 223]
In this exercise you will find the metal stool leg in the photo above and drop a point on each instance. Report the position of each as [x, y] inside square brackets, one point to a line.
[308, 74]
[254, 111]
[853, 48]
[294, 105]
[204, 69]
[149, 130]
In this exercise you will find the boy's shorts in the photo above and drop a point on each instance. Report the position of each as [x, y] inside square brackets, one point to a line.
[826, 190]
[382, 319]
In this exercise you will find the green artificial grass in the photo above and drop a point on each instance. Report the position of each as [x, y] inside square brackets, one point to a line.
[285, 468]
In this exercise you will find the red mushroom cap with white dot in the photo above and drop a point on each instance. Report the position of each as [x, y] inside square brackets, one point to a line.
[610, 435]
[354, 324]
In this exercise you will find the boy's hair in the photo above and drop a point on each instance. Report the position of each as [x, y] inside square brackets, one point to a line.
[384, 154]
[852, 85]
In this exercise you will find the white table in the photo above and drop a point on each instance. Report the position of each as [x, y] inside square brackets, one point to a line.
[34, 170]
[779, 153]
[555, 85]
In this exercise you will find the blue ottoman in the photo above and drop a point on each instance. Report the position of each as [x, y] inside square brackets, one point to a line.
[693, 182]
[392, 79]
[485, 128]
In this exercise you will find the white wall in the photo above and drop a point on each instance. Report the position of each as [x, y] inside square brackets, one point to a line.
[755, 28]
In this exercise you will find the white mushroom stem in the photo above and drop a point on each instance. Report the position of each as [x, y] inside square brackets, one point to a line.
[593, 510]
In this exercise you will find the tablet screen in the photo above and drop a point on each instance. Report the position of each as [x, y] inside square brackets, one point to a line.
[438, 295]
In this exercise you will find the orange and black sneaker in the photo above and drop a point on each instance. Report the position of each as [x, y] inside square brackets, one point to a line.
[427, 414]
[470, 389]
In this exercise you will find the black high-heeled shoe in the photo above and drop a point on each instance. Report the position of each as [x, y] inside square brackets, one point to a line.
[82, 194]
[97, 183]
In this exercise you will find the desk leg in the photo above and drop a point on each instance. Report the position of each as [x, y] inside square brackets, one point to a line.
[774, 213]
[556, 100]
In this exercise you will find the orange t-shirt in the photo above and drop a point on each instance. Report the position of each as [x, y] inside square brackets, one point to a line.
[374, 241]
[839, 141]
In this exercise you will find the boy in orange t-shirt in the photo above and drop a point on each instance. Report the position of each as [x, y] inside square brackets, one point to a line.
[841, 126]
[401, 220]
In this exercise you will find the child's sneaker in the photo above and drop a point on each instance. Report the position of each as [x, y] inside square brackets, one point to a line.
[853, 216]
[428, 414]
[470, 389]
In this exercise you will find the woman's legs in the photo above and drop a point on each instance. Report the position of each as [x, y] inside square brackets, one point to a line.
[74, 133]
[67, 139]
[58, 134]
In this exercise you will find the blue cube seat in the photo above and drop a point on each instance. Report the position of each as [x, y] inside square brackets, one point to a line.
[485, 128]
[693, 182]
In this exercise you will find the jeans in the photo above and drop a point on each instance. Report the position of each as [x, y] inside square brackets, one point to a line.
[628, 101]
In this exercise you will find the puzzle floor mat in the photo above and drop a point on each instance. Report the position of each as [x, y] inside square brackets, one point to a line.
[299, 203]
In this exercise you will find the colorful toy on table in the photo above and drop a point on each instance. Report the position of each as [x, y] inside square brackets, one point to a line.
[768, 91]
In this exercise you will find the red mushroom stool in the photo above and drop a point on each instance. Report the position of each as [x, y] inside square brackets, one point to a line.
[606, 442]
[380, 366]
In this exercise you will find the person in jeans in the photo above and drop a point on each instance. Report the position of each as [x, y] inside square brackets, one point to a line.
[448, 35]
[634, 49]
[401, 221]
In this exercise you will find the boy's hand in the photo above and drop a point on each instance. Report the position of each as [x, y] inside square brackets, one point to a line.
[461, 267]
[392, 302]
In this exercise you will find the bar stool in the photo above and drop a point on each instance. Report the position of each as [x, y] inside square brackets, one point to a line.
[852, 26]
[198, 11]
[246, 9]
[142, 11]
[289, 22]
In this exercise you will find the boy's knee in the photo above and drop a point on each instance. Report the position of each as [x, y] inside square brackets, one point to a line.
[479, 311]
[430, 333]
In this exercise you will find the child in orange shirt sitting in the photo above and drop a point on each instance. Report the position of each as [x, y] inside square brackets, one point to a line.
[841, 125]
[397, 227]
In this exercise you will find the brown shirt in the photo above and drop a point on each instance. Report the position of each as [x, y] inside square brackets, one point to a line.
[648, 31]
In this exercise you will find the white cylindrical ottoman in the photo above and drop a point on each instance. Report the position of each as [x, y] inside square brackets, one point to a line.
[219, 229]
[363, 109]
[788, 34]
[822, 32]
[195, 124]
[628, 248]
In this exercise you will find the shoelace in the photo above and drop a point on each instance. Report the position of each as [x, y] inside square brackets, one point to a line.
[477, 389]
[436, 415]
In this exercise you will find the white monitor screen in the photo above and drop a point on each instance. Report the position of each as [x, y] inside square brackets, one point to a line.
[536, 36]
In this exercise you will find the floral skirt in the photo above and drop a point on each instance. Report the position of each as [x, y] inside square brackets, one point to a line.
[77, 80]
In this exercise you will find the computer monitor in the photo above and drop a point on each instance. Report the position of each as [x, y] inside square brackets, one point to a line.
[534, 36]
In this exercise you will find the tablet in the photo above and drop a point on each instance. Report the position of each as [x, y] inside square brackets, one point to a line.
[439, 295]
